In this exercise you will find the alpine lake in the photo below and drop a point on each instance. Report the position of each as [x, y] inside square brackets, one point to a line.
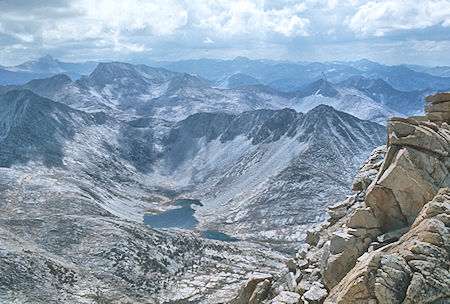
[183, 217]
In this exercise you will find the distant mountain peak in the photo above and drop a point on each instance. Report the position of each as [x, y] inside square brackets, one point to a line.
[319, 87]
[363, 83]
[114, 70]
[42, 65]
[108, 67]
[108, 72]
[46, 58]
[365, 60]
[44, 85]
[238, 80]
[59, 78]
[241, 59]
[322, 110]
[357, 81]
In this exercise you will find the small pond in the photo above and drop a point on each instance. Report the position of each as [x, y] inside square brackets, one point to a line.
[216, 235]
[183, 217]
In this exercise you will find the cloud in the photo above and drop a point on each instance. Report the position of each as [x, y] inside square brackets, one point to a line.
[174, 29]
[135, 25]
[208, 40]
[378, 18]
[116, 21]
[243, 17]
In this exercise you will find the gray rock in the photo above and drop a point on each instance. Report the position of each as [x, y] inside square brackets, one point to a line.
[316, 294]
[341, 241]
[392, 236]
[260, 293]
[392, 279]
[414, 269]
[369, 169]
[312, 236]
[303, 286]
[286, 297]
[249, 288]
[337, 213]
[302, 264]
[363, 218]
[291, 265]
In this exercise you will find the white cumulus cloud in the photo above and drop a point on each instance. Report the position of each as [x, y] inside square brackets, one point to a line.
[251, 17]
[174, 29]
[380, 17]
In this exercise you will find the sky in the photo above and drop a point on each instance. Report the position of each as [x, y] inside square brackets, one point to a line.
[390, 31]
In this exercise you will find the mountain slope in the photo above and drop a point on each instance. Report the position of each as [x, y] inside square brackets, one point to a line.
[407, 103]
[43, 67]
[129, 92]
[76, 188]
[351, 100]
[35, 125]
[254, 168]
[217, 157]
[387, 243]
[98, 155]
[59, 245]
[235, 81]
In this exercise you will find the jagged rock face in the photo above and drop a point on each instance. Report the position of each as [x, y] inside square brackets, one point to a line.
[416, 166]
[415, 269]
[344, 249]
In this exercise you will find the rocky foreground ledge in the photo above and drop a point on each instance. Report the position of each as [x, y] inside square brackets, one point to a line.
[389, 242]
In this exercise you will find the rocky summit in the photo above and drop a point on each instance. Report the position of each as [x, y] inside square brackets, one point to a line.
[387, 243]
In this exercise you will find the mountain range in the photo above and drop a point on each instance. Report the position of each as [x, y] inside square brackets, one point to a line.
[134, 91]
[280, 75]
[43, 67]
[82, 162]
[288, 76]
[215, 157]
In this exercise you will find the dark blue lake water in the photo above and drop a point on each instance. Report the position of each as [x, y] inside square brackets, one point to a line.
[216, 235]
[183, 217]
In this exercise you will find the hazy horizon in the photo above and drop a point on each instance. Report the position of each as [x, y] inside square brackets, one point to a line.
[389, 32]
[162, 62]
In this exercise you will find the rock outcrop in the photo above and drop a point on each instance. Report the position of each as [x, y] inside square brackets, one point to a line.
[416, 166]
[255, 290]
[414, 269]
[438, 108]
[389, 242]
